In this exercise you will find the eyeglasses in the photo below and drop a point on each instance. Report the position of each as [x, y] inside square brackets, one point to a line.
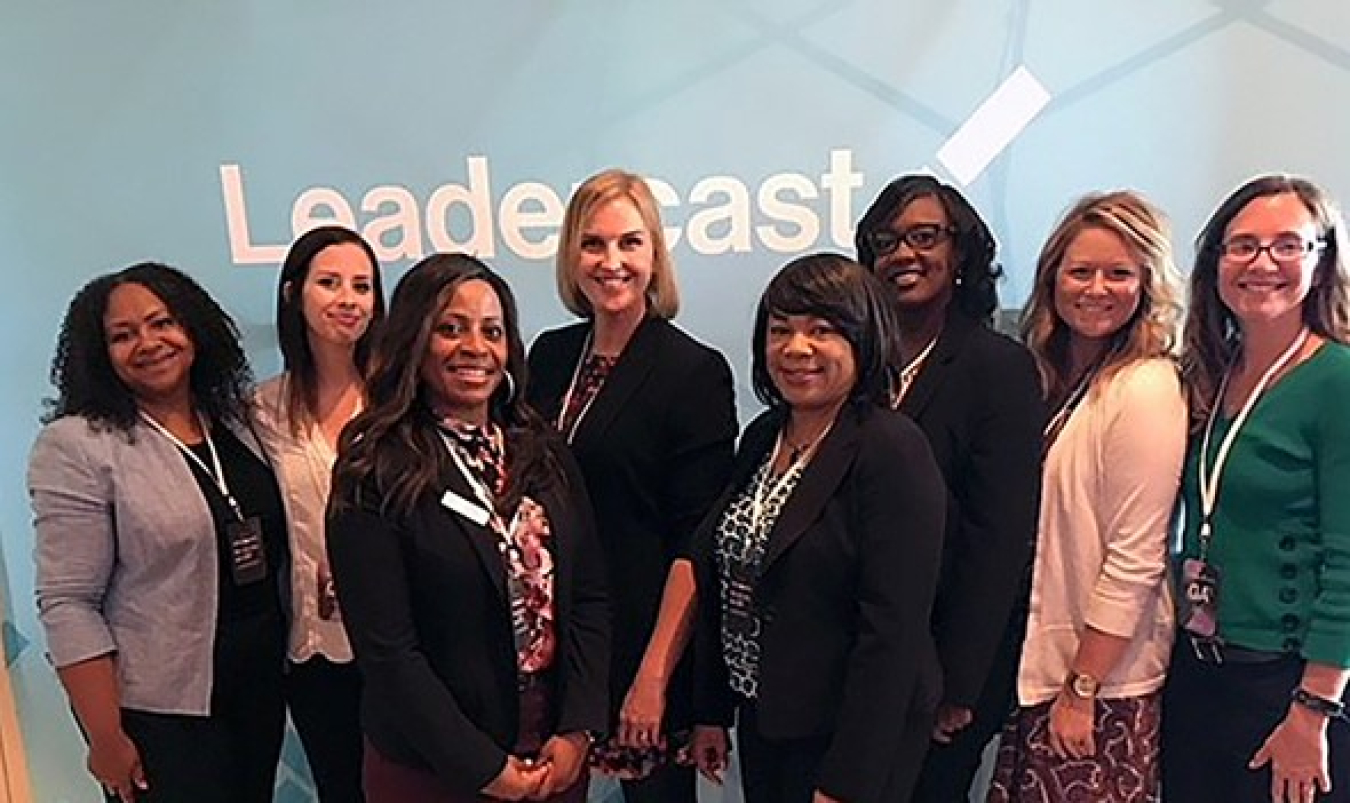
[1286, 248]
[923, 237]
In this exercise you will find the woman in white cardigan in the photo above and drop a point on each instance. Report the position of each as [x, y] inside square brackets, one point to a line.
[1101, 323]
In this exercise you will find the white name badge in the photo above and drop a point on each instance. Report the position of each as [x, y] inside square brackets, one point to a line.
[469, 510]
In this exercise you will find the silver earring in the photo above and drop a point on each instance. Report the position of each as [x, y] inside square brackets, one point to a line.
[510, 385]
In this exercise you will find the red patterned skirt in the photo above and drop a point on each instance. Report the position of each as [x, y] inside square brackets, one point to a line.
[1124, 769]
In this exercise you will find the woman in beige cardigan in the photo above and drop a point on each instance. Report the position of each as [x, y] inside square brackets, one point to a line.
[1101, 324]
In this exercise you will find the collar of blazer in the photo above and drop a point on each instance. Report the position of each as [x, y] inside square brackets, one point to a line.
[818, 484]
[955, 331]
[635, 364]
[485, 541]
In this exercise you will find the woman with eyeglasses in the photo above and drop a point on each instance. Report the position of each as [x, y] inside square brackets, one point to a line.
[1102, 322]
[976, 396]
[1254, 705]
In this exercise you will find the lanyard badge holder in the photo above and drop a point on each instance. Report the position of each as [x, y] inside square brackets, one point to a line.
[243, 534]
[1200, 580]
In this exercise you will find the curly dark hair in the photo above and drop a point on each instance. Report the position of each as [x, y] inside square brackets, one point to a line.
[853, 300]
[391, 456]
[86, 384]
[976, 294]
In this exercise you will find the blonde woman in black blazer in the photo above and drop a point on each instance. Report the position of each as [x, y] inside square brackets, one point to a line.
[650, 416]
[816, 569]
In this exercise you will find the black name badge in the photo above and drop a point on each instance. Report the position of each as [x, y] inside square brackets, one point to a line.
[1199, 598]
[248, 559]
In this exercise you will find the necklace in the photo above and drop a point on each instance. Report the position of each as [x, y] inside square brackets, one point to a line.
[911, 370]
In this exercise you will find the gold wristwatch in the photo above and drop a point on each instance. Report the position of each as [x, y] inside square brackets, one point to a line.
[1083, 686]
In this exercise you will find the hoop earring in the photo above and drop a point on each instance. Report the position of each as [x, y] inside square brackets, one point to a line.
[510, 386]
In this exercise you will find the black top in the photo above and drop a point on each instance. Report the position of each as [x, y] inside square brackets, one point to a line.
[254, 486]
[978, 400]
[655, 447]
[424, 601]
[844, 592]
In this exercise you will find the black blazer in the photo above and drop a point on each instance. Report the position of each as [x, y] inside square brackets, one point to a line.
[424, 601]
[844, 595]
[978, 399]
[656, 448]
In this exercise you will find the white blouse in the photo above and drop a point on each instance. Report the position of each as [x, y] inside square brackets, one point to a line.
[1110, 486]
[304, 466]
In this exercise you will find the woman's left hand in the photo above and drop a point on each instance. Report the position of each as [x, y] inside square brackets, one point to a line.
[1297, 754]
[1070, 731]
[566, 755]
[821, 797]
[643, 708]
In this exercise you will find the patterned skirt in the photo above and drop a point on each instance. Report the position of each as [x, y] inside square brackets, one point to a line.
[1124, 770]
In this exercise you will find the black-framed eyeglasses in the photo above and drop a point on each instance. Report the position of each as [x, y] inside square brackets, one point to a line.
[1286, 248]
[923, 237]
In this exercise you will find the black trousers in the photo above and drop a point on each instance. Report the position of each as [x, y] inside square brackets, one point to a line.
[231, 755]
[949, 769]
[668, 784]
[325, 702]
[776, 770]
[1215, 718]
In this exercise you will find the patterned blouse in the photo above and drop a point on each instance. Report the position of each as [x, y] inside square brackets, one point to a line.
[741, 539]
[524, 543]
[590, 378]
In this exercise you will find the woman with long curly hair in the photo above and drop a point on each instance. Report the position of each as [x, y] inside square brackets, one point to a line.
[161, 544]
[1102, 323]
[465, 558]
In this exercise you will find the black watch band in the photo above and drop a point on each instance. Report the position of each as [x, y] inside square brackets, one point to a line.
[1333, 709]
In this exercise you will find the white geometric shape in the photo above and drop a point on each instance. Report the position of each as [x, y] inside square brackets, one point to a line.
[993, 126]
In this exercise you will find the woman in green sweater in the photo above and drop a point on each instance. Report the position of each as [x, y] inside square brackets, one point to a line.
[1254, 705]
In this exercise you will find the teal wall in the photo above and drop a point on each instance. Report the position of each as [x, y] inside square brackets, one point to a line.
[771, 124]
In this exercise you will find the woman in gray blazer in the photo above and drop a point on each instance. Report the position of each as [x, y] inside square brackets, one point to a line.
[161, 544]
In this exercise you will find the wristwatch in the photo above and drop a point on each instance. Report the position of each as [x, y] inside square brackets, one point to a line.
[1083, 686]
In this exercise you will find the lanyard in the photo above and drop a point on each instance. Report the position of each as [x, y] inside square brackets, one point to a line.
[911, 371]
[478, 487]
[1209, 480]
[215, 471]
[1060, 419]
[572, 389]
[758, 497]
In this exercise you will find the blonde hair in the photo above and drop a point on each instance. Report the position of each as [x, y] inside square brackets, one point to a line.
[663, 296]
[1152, 330]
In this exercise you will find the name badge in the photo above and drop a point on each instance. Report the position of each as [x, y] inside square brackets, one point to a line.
[469, 510]
[1199, 609]
[248, 558]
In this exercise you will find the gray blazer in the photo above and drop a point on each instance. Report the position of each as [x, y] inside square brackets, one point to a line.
[127, 560]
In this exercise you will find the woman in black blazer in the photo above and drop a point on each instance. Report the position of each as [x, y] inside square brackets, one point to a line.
[650, 415]
[465, 559]
[816, 569]
[976, 395]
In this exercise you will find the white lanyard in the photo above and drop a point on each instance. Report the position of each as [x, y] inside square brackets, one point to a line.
[479, 487]
[572, 389]
[1209, 480]
[758, 497]
[214, 471]
[911, 371]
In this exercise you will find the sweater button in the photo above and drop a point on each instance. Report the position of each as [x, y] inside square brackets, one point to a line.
[1292, 645]
[1288, 595]
[1289, 622]
[1288, 571]
[1288, 543]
